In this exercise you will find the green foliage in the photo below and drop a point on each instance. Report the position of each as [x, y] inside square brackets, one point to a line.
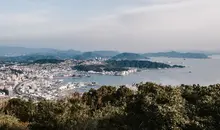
[140, 64]
[11, 123]
[100, 98]
[123, 65]
[24, 110]
[152, 107]
[96, 68]
[157, 107]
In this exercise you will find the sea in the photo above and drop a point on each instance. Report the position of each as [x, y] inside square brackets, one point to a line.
[197, 71]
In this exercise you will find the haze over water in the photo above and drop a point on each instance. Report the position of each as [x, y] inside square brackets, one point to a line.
[197, 71]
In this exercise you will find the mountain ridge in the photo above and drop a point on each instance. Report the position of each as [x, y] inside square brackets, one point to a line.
[175, 54]
[128, 56]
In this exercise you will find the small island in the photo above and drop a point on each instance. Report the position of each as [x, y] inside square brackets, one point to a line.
[122, 67]
[98, 68]
[141, 64]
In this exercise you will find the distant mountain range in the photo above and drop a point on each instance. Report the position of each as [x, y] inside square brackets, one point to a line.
[209, 53]
[21, 54]
[128, 56]
[174, 54]
[107, 53]
[19, 51]
[96, 54]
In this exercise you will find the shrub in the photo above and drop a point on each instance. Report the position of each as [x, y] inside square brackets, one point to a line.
[152, 107]
[11, 123]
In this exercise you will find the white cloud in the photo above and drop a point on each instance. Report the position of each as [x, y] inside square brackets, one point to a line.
[176, 24]
[191, 24]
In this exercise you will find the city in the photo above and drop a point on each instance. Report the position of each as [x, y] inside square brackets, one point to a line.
[45, 81]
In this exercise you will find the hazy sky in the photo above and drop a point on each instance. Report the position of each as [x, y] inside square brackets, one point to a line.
[125, 25]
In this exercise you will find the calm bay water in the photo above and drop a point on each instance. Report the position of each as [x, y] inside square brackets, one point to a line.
[197, 71]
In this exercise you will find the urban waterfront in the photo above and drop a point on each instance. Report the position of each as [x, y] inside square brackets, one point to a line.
[54, 81]
[202, 71]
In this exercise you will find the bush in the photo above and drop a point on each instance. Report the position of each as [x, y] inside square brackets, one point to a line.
[152, 107]
[11, 123]
[24, 110]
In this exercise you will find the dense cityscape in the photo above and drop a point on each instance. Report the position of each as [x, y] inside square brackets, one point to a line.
[37, 81]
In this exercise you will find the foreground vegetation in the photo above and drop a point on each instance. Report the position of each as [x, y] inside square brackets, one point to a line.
[151, 107]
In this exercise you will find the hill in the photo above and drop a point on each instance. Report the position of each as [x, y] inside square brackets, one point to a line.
[124, 65]
[128, 56]
[6, 51]
[26, 58]
[174, 54]
[106, 53]
[18, 51]
[141, 64]
[21, 53]
[68, 54]
[87, 56]
[96, 54]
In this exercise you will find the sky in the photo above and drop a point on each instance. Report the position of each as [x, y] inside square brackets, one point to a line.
[124, 25]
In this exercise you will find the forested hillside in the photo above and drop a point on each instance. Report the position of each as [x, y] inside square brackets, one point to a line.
[152, 107]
